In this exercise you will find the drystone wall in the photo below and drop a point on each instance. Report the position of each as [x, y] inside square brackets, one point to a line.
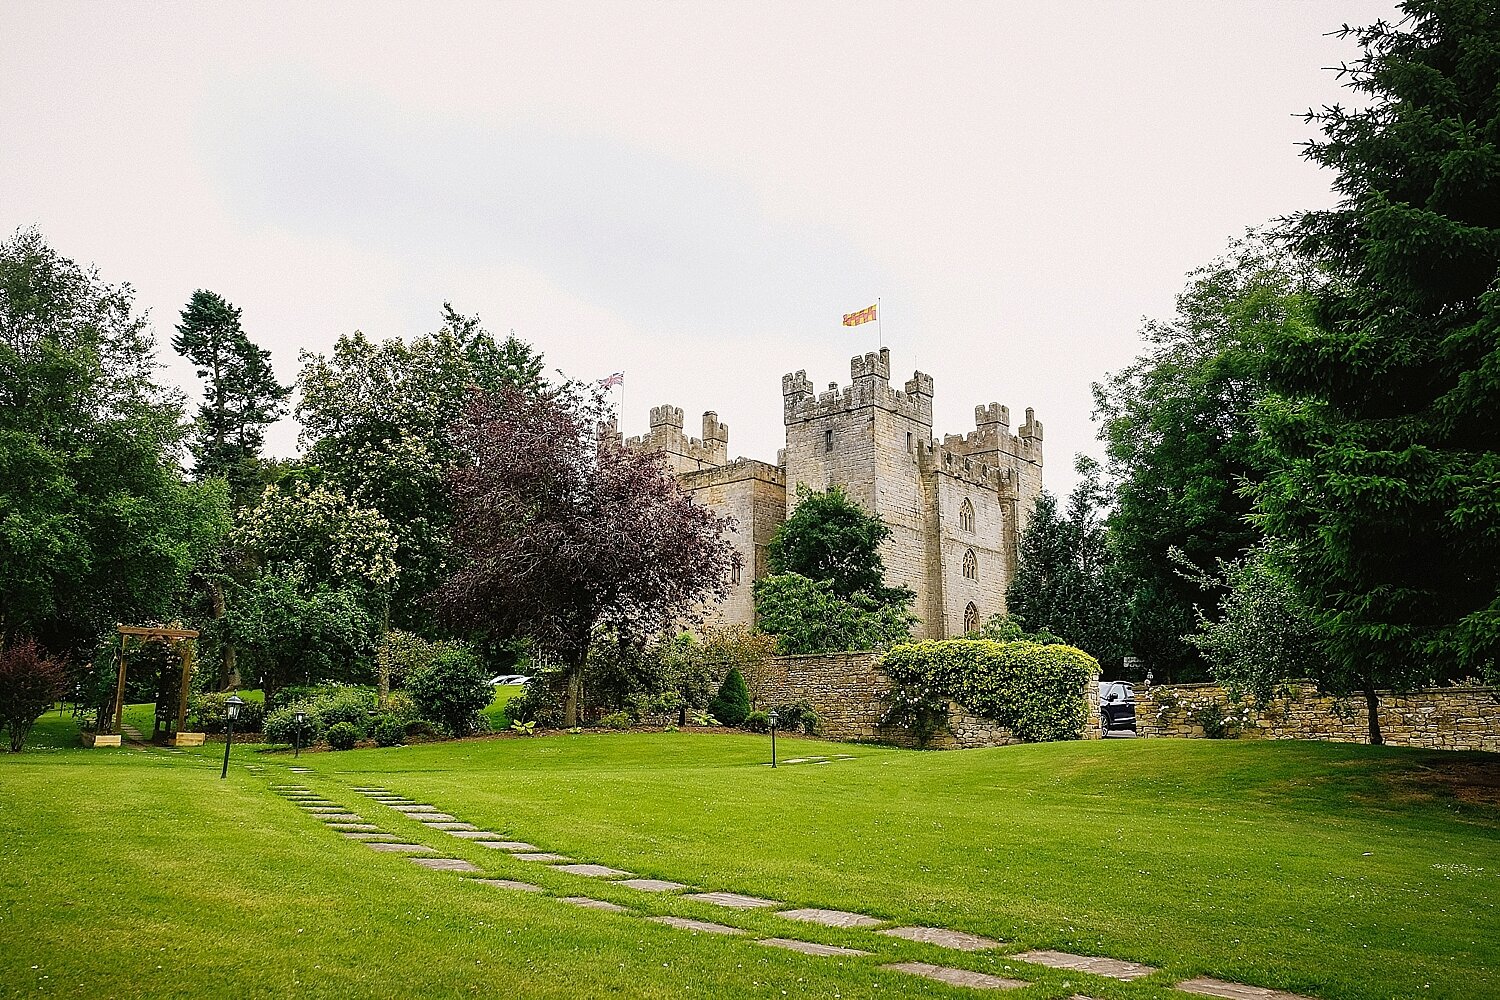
[1440, 718]
[847, 690]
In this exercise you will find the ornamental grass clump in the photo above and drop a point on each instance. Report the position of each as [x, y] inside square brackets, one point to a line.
[1036, 691]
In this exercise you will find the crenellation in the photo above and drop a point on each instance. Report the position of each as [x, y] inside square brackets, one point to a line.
[666, 416]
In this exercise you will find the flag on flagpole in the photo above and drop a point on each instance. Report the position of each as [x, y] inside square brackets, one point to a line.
[618, 378]
[865, 315]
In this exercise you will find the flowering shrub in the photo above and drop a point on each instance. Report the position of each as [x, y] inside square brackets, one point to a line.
[1036, 691]
[916, 707]
[1206, 711]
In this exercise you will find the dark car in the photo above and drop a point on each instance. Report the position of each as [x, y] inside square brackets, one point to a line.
[1116, 707]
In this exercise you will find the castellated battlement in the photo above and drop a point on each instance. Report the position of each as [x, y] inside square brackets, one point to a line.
[992, 435]
[684, 453]
[932, 457]
[737, 471]
[870, 387]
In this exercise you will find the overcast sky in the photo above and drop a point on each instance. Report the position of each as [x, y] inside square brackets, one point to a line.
[689, 193]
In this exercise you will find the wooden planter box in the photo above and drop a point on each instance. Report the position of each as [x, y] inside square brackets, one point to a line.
[101, 739]
[186, 740]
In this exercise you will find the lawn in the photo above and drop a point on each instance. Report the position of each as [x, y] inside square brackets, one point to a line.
[1342, 872]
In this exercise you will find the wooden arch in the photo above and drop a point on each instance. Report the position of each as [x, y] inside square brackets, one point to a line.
[183, 641]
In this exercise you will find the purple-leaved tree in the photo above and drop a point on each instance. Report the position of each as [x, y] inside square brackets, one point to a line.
[561, 530]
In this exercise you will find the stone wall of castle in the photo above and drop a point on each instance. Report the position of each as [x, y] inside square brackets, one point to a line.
[847, 690]
[1437, 718]
[754, 495]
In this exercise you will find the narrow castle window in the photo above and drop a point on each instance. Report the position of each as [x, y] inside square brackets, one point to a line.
[828, 439]
[734, 574]
[971, 618]
[971, 565]
[966, 515]
[908, 440]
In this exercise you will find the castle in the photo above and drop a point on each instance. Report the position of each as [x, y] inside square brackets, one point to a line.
[955, 508]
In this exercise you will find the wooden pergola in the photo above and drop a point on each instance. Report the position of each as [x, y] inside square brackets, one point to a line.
[183, 642]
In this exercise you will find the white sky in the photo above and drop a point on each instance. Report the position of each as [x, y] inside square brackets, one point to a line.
[689, 193]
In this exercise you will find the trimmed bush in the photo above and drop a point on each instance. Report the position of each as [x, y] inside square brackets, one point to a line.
[797, 716]
[451, 689]
[617, 720]
[732, 703]
[1036, 691]
[280, 726]
[30, 681]
[206, 714]
[342, 735]
[758, 722]
[388, 730]
[351, 704]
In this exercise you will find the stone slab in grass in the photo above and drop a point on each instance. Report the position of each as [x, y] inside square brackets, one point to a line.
[541, 856]
[446, 864]
[416, 807]
[341, 817]
[810, 948]
[1208, 987]
[449, 826]
[956, 977]
[511, 845]
[592, 871]
[733, 900]
[473, 834]
[832, 918]
[321, 807]
[366, 835]
[701, 926]
[652, 884]
[400, 848]
[943, 938]
[507, 883]
[300, 770]
[594, 904]
[342, 827]
[432, 817]
[1114, 968]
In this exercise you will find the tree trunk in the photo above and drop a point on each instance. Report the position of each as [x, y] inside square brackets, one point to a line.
[1372, 706]
[573, 697]
[229, 673]
[384, 659]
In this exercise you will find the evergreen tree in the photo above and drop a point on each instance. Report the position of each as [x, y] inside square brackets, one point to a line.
[241, 396]
[1066, 582]
[732, 703]
[1383, 441]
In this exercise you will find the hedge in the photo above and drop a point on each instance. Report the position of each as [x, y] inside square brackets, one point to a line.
[1036, 691]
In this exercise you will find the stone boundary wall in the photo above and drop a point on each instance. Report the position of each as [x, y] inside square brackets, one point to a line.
[847, 692]
[1458, 718]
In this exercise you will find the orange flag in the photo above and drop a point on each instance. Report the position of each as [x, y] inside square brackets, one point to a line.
[865, 315]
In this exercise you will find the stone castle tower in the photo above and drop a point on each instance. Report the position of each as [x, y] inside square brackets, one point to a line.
[955, 507]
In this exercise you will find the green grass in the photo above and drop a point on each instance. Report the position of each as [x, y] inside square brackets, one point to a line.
[1343, 872]
[496, 712]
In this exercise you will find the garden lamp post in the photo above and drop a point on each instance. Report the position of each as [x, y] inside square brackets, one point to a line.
[300, 717]
[772, 720]
[231, 712]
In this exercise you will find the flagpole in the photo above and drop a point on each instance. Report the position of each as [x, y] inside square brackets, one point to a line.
[879, 323]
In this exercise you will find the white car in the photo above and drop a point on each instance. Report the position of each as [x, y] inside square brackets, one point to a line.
[509, 680]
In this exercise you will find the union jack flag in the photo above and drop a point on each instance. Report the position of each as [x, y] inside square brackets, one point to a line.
[618, 378]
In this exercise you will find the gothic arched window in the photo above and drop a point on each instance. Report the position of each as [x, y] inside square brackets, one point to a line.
[966, 515]
[971, 618]
[971, 565]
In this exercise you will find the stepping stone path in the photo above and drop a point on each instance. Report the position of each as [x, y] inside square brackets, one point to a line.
[348, 827]
[594, 904]
[832, 918]
[942, 937]
[341, 817]
[450, 827]
[652, 884]
[510, 845]
[473, 834]
[415, 809]
[1204, 986]
[809, 948]
[445, 864]
[300, 770]
[506, 883]
[956, 977]
[701, 926]
[1114, 968]
[592, 871]
[542, 856]
[732, 900]
[400, 848]
[362, 835]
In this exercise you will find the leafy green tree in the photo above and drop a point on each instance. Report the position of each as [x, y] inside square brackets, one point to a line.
[451, 688]
[376, 417]
[808, 616]
[1180, 432]
[732, 703]
[1066, 581]
[831, 537]
[97, 525]
[322, 537]
[294, 632]
[1263, 635]
[1382, 444]
[241, 396]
